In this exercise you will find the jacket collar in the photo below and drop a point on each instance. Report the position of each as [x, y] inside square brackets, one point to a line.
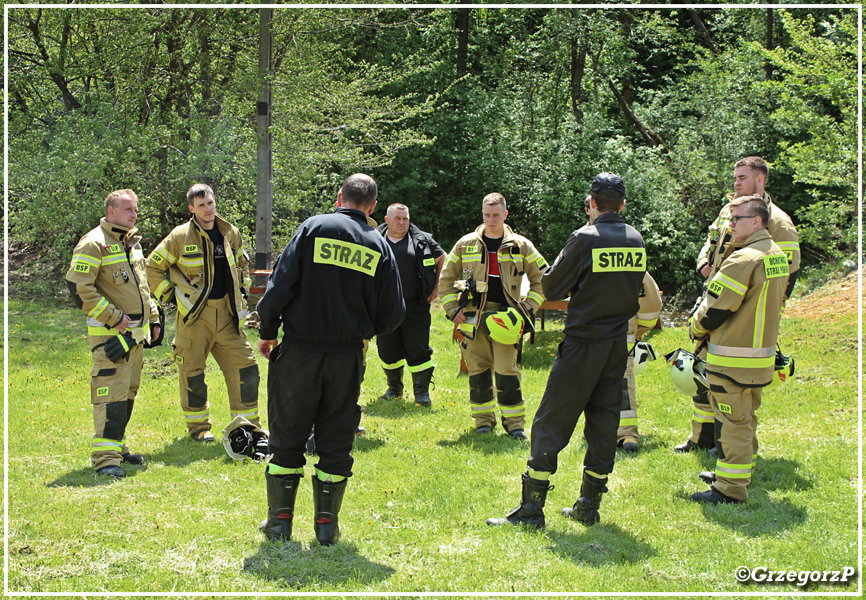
[219, 223]
[761, 234]
[118, 232]
[608, 217]
[507, 236]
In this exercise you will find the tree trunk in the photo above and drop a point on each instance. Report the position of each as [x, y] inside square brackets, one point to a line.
[462, 40]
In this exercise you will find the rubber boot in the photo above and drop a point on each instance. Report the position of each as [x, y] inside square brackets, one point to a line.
[421, 384]
[327, 500]
[585, 509]
[282, 490]
[395, 384]
[530, 511]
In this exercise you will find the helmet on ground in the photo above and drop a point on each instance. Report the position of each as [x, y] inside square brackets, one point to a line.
[643, 354]
[243, 440]
[687, 372]
[784, 369]
[504, 326]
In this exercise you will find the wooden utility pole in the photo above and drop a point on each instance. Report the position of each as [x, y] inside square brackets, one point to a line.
[264, 156]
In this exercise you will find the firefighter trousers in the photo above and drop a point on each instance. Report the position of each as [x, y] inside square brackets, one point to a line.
[735, 411]
[493, 377]
[215, 332]
[628, 406]
[113, 387]
[586, 378]
[409, 344]
[307, 389]
[702, 417]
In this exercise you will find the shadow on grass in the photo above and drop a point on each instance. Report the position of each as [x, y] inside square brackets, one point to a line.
[393, 409]
[316, 567]
[761, 516]
[88, 478]
[601, 544]
[779, 474]
[496, 442]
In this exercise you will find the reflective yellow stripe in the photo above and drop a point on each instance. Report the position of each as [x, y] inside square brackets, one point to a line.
[113, 259]
[249, 415]
[87, 259]
[97, 310]
[161, 251]
[392, 366]
[735, 351]
[733, 471]
[513, 411]
[278, 470]
[102, 444]
[740, 362]
[191, 262]
[540, 475]
[594, 474]
[722, 280]
[535, 296]
[162, 288]
[483, 408]
[421, 367]
[760, 316]
[628, 422]
[449, 298]
[647, 322]
[322, 476]
[196, 416]
[703, 416]
[471, 258]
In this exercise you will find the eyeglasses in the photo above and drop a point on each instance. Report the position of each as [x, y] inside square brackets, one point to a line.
[736, 219]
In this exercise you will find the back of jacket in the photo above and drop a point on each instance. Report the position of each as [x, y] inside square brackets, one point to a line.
[335, 285]
[602, 266]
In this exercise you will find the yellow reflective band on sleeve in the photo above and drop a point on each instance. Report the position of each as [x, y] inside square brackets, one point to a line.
[530, 295]
[162, 288]
[740, 362]
[428, 262]
[346, 255]
[721, 281]
[232, 260]
[453, 257]
[161, 253]
[396, 365]
[647, 322]
[775, 265]
[100, 306]
[611, 260]
[449, 298]
[421, 367]
[81, 263]
[789, 248]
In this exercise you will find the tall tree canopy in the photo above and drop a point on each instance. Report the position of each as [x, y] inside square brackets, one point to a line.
[442, 106]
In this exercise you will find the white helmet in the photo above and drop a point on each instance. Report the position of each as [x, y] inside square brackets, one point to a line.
[243, 440]
[643, 354]
[784, 368]
[687, 372]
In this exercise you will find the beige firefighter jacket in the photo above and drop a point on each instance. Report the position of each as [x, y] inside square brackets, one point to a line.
[181, 267]
[781, 229]
[517, 256]
[650, 308]
[108, 279]
[742, 310]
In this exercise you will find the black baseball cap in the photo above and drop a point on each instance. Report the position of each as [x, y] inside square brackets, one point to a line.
[608, 185]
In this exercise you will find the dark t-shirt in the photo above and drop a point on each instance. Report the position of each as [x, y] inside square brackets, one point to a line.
[494, 281]
[407, 264]
[220, 264]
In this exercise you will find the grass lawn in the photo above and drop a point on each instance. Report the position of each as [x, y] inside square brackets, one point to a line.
[414, 514]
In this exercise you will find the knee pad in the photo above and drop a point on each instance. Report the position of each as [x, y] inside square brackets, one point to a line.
[508, 387]
[625, 402]
[249, 384]
[115, 420]
[717, 437]
[481, 387]
[197, 391]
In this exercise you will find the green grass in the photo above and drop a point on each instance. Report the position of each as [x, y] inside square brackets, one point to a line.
[414, 514]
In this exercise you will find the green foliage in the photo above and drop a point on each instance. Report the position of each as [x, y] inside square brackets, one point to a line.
[413, 518]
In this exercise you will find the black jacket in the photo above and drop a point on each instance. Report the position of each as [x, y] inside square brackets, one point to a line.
[425, 253]
[602, 266]
[335, 285]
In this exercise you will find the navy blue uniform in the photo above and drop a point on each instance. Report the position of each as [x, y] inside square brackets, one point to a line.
[602, 267]
[335, 285]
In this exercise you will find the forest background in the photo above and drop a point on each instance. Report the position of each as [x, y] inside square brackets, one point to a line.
[441, 106]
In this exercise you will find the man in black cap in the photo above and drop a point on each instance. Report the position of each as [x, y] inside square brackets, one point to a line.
[601, 267]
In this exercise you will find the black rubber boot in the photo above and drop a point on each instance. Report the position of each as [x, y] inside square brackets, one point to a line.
[530, 511]
[421, 386]
[585, 509]
[327, 500]
[282, 491]
[395, 384]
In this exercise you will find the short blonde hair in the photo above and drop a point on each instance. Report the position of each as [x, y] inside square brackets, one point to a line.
[494, 199]
[114, 197]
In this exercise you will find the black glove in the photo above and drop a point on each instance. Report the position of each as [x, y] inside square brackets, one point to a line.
[119, 346]
[153, 343]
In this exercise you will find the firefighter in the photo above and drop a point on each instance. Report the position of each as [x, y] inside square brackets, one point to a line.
[203, 266]
[335, 285]
[650, 302]
[601, 267]
[738, 320]
[420, 260]
[750, 177]
[108, 281]
[489, 264]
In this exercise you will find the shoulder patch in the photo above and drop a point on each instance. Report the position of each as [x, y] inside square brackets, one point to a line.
[775, 265]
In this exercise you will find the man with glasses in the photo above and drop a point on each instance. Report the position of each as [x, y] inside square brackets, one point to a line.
[738, 321]
[750, 178]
